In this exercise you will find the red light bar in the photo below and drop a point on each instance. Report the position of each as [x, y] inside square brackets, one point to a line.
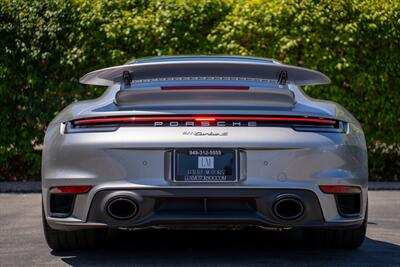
[208, 87]
[205, 119]
[71, 189]
[339, 189]
[132, 119]
[117, 120]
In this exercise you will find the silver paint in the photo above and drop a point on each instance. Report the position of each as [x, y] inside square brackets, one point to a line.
[134, 157]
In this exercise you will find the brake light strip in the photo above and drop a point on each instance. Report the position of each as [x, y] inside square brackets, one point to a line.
[201, 118]
[205, 87]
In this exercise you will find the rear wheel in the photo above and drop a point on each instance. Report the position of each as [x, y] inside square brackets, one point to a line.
[71, 240]
[337, 238]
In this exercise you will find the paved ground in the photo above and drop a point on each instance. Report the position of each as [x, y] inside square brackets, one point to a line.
[22, 243]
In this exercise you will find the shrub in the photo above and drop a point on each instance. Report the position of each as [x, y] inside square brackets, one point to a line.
[47, 46]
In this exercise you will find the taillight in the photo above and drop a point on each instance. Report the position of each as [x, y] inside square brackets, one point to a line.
[137, 120]
[70, 189]
[107, 124]
[70, 127]
[340, 127]
[340, 189]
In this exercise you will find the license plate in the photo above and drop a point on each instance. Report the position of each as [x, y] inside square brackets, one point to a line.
[205, 165]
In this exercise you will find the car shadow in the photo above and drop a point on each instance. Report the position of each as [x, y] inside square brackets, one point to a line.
[226, 248]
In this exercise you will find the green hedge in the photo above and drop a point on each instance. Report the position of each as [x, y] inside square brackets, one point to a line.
[47, 45]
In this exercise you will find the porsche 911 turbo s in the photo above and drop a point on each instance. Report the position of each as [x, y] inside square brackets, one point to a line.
[204, 142]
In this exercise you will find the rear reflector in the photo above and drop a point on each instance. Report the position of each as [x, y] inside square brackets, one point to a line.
[72, 189]
[339, 189]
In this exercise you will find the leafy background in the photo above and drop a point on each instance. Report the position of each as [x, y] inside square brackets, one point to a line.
[45, 46]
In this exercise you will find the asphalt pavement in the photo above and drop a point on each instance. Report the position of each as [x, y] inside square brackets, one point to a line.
[22, 242]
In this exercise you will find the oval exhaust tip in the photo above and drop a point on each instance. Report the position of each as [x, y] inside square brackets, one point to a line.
[122, 208]
[288, 208]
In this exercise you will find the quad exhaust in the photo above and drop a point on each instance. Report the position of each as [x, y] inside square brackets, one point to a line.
[122, 208]
[288, 208]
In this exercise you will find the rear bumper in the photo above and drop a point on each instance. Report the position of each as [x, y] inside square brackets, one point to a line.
[135, 160]
[206, 207]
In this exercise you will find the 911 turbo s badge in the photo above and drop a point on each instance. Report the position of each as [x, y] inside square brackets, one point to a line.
[198, 133]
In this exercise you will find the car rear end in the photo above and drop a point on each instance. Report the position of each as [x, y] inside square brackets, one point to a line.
[205, 153]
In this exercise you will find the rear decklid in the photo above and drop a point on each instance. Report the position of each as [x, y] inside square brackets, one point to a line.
[211, 94]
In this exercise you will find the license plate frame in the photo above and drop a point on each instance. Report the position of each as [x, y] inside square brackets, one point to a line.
[230, 175]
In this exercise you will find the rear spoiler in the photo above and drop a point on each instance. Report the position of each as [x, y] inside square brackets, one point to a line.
[272, 71]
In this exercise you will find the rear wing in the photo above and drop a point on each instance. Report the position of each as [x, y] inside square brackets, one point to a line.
[265, 70]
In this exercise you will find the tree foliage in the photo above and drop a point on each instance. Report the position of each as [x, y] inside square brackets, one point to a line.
[47, 45]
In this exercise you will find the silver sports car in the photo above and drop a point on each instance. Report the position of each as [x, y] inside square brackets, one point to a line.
[204, 142]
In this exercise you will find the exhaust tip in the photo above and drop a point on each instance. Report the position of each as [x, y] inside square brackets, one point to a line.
[288, 208]
[122, 208]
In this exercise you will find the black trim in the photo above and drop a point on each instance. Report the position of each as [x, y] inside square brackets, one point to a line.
[263, 214]
[63, 214]
[344, 214]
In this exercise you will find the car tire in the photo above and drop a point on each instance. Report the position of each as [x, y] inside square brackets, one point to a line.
[337, 238]
[59, 240]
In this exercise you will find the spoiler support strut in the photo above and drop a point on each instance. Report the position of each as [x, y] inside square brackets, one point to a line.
[127, 78]
[283, 76]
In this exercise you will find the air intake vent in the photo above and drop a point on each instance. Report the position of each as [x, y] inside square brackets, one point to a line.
[348, 204]
[61, 205]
